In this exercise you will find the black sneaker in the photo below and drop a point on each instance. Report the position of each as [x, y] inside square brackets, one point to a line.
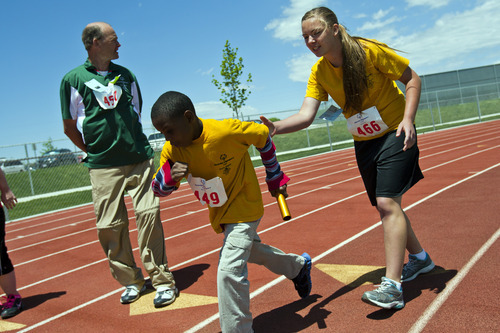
[302, 281]
[11, 307]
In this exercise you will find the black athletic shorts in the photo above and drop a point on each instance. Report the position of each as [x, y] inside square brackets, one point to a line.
[5, 263]
[387, 170]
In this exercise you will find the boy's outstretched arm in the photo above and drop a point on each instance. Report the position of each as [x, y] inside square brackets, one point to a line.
[275, 178]
[167, 178]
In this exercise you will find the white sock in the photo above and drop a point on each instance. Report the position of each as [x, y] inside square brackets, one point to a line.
[398, 284]
[421, 255]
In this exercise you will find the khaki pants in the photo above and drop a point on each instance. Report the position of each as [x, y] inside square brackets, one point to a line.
[242, 245]
[108, 188]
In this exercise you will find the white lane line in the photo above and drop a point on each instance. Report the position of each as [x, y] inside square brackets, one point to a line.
[177, 235]
[450, 286]
[267, 286]
[48, 320]
[423, 142]
[316, 258]
[171, 268]
[263, 288]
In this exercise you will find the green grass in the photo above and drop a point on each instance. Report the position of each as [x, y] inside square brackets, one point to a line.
[451, 113]
[49, 180]
[49, 204]
[25, 185]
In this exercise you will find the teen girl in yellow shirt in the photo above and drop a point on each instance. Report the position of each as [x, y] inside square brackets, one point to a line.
[359, 75]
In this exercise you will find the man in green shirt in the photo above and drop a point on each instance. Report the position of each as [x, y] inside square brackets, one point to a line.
[101, 109]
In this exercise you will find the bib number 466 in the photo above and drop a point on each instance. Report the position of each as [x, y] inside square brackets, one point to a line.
[368, 129]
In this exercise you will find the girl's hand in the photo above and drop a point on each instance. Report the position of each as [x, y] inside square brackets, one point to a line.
[269, 124]
[410, 135]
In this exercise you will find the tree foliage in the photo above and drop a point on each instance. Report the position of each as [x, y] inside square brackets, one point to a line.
[234, 94]
[48, 146]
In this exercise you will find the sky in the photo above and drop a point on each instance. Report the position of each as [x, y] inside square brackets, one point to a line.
[177, 45]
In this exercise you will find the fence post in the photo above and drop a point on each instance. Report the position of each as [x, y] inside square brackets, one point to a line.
[478, 106]
[430, 108]
[6, 213]
[307, 135]
[29, 169]
[439, 109]
[329, 136]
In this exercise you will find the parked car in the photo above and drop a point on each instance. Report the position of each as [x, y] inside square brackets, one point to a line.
[57, 157]
[156, 140]
[12, 166]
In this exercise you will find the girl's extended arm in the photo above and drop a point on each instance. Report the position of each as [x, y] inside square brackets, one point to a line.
[296, 122]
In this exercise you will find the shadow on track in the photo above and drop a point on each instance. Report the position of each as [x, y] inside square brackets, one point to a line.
[31, 302]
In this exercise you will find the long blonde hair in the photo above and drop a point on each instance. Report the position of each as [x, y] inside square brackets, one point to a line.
[353, 60]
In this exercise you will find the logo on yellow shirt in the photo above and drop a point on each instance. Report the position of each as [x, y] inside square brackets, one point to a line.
[225, 165]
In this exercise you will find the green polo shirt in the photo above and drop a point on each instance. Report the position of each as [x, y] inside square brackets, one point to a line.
[112, 131]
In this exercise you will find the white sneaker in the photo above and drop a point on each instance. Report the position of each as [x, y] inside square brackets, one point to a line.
[131, 293]
[387, 295]
[415, 267]
[165, 297]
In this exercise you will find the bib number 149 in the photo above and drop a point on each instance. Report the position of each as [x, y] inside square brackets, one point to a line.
[211, 198]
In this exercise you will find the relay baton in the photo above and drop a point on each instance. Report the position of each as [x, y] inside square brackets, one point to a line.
[285, 212]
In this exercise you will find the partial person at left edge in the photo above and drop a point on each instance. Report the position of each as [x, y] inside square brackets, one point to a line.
[12, 303]
[101, 108]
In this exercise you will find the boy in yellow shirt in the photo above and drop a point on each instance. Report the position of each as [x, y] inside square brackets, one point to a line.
[213, 156]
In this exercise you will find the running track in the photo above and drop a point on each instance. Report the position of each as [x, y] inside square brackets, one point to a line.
[66, 285]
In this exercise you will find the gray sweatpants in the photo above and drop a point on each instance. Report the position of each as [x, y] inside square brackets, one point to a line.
[242, 245]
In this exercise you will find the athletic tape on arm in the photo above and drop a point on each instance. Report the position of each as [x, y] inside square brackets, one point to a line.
[163, 184]
[275, 178]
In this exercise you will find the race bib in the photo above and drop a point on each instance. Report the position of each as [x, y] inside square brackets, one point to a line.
[209, 192]
[366, 123]
[107, 97]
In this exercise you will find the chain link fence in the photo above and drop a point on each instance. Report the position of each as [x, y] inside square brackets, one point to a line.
[58, 180]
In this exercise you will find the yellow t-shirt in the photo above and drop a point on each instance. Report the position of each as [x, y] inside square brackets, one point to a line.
[383, 67]
[222, 151]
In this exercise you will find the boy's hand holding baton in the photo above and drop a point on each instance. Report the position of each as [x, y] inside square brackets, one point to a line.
[281, 194]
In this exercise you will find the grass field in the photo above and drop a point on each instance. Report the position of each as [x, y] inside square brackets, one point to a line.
[30, 185]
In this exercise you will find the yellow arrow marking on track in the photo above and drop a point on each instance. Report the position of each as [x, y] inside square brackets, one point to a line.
[8, 326]
[353, 275]
[145, 304]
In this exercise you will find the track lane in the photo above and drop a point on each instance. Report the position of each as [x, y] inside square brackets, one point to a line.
[271, 218]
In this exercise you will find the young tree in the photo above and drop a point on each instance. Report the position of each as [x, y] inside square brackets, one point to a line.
[48, 146]
[233, 93]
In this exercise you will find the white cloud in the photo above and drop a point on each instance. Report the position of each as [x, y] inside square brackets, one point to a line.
[446, 45]
[382, 13]
[428, 3]
[288, 27]
[205, 73]
[377, 24]
[457, 39]
[212, 109]
[359, 16]
[219, 110]
[300, 67]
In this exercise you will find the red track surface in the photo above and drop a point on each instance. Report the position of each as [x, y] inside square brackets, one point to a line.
[66, 284]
